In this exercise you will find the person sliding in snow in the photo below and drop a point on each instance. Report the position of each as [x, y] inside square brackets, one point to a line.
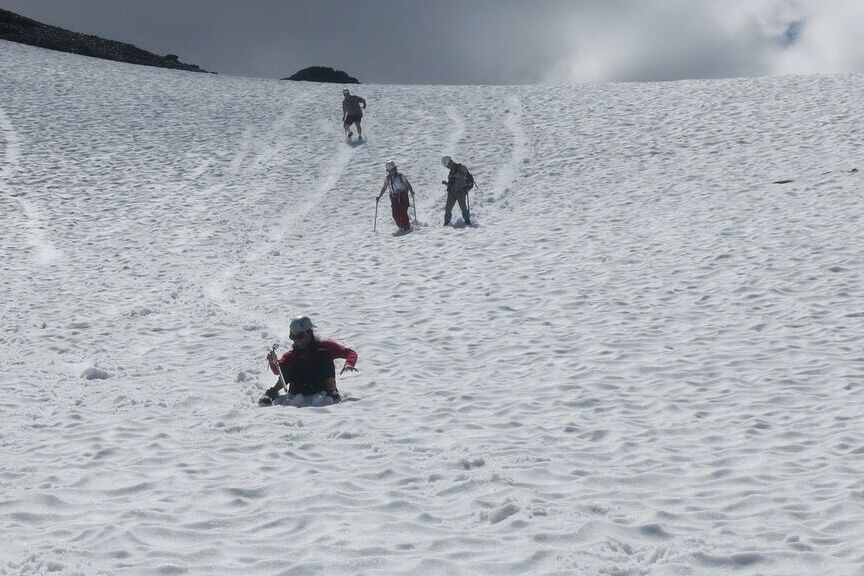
[399, 188]
[458, 183]
[351, 113]
[308, 367]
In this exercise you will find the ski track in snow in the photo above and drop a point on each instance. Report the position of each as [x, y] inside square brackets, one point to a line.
[645, 359]
[11, 148]
[265, 149]
[508, 173]
[44, 251]
[457, 132]
[289, 219]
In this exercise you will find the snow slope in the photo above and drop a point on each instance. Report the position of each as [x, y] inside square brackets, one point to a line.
[644, 359]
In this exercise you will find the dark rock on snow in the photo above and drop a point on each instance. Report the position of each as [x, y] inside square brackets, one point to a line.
[17, 28]
[323, 74]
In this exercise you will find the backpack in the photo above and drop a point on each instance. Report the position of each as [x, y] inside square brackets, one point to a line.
[467, 180]
[391, 184]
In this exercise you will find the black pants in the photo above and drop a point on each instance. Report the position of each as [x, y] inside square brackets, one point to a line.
[308, 373]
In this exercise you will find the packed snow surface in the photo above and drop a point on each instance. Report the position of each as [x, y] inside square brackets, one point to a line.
[644, 356]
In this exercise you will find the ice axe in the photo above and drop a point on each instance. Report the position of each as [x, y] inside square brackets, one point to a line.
[279, 367]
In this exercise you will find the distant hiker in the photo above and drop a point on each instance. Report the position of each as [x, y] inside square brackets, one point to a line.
[308, 367]
[458, 183]
[399, 187]
[352, 113]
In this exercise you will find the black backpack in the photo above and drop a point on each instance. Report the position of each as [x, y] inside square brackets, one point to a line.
[469, 180]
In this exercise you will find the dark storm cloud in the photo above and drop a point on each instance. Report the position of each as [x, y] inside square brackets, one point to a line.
[480, 41]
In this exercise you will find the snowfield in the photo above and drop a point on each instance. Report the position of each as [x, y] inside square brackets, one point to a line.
[645, 358]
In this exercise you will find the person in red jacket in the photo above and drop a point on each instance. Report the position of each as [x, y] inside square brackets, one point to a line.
[308, 367]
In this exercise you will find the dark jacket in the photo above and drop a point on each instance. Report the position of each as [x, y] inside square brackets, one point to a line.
[306, 369]
[351, 106]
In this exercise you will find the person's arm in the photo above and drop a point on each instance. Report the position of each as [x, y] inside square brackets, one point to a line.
[408, 186]
[272, 392]
[271, 358]
[363, 103]
[339, 351]
[275, 365]
[383, 189]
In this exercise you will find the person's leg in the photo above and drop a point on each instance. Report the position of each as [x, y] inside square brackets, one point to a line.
[466, 216]
[404, 221]
[394, 209]
[448, 208]
[359, 129]
[270, 394]
[294, 386]
[347, 127]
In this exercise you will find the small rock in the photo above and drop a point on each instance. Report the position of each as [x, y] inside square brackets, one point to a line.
[95, 374]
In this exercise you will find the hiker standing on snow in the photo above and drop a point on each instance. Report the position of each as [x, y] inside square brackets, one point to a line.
[308, 367]
[458, 183]
[352, 113]
[399, 187]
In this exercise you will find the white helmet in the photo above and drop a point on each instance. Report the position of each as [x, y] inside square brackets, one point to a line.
[445, 161]
[300, 324]
[390, 165]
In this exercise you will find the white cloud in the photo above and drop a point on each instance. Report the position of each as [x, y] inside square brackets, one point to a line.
[830, 40]
[673, 39]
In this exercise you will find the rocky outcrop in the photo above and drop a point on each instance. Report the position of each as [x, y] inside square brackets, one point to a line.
[17, 28]
[323, 74]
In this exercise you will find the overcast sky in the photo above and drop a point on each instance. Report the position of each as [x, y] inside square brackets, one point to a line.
[481, 41]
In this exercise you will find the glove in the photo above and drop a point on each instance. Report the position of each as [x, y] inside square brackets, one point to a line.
[271, 393]
[334, 395]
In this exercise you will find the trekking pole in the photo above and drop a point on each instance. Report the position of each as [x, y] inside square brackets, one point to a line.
[415, 209]
[467, 201]
[375, 226]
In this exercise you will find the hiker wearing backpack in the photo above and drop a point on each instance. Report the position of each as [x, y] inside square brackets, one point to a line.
[399, 187]
[352, 113]
[458, 183]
